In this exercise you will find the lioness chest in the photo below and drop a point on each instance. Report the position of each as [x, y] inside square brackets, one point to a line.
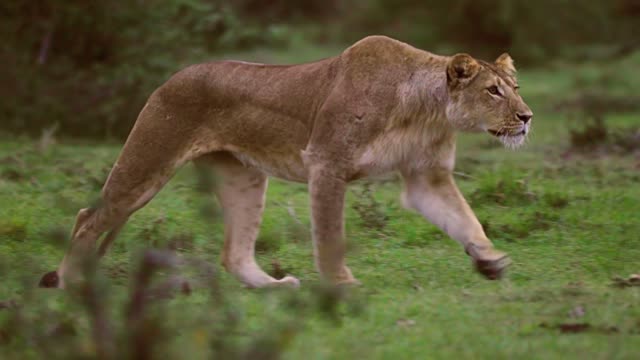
[407, 149]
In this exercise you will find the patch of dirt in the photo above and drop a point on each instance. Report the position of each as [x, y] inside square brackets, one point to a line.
[556, 200]
[269, 241]
[4, 336]
[594, 137]
[593, 134]
[12, 174]
[8, 304]
[277, 271]
[632, 280]
[575, 328]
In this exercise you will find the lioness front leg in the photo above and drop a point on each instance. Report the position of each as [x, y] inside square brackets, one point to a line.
[435, 195]
[327, 193]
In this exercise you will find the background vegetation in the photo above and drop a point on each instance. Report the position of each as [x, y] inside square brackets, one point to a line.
[88, 66]
[565, 207]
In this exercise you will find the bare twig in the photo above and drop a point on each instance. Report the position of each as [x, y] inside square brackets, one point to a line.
[45, 45]
[292, 212]
[47, 138]
[463, 175]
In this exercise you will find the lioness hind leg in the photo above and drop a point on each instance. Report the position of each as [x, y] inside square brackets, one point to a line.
[92, 223]
[241, 192]
[154, 150]
[54, 278]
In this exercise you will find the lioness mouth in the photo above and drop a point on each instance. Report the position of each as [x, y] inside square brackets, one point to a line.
[501, 133]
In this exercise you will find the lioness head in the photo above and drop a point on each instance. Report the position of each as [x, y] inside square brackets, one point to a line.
[484, 97]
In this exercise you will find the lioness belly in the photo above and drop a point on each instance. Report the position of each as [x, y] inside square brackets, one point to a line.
[264, 139]
[288, 167]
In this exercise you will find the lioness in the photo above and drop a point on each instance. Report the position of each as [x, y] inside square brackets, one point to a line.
[380, 106]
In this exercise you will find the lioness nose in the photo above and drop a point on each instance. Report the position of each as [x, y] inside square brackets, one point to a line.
[524, 117]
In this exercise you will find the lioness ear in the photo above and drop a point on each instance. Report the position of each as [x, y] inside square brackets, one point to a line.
[505, 62]
[462, 68]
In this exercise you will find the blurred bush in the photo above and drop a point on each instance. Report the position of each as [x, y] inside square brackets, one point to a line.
[156, 317]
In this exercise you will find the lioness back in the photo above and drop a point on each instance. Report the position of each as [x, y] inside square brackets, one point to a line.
[262, 113]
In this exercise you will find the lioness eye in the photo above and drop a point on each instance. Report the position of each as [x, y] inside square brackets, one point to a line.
[493, 90]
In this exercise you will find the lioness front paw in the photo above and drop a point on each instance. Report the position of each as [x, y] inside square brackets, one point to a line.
[492, 269]
[489, 262]
[50, 280]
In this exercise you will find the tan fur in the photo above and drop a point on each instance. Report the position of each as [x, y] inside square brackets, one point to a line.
[378, 107]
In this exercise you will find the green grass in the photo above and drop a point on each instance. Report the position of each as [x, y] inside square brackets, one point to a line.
[570, 224]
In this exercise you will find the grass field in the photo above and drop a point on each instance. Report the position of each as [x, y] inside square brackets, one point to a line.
[569, 220]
